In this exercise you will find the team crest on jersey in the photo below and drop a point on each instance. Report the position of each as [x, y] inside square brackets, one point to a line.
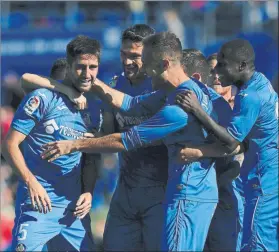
[113, 81]
[31, 105]
[20, 247]
[86, 118]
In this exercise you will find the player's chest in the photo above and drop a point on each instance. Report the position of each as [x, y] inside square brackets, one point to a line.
[64, 123]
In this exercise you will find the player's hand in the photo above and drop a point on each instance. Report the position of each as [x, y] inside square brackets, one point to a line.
[188, 101]
[78, 99]
[39, 197]
[229, 175]
[54, 150]
[88, 135]
[188, 154]
[83, 205]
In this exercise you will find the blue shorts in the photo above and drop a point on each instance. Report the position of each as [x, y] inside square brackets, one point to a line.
[59, 227]
[135, 218]
[260, 229]
[225, 231]
[186, 225]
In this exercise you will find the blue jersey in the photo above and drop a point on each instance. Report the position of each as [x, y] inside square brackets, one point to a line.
[146, 166]
[255, 117]
[193, 181]
[46, 116]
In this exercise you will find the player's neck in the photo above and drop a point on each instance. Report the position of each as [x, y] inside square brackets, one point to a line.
[245, 78]
[175, 77]
[67, 81]
[138, 81]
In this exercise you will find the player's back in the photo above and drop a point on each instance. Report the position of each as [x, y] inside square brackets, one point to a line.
[197, 180]
[47, 116]
[261, 159]
[145, 166]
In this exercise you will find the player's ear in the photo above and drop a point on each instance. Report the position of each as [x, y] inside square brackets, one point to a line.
[242, 66]
[197, 76]
[165, 64]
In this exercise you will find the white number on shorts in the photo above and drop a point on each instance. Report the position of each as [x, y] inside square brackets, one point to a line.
[22, 232]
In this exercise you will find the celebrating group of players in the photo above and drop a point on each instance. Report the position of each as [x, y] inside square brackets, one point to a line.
[180, 147]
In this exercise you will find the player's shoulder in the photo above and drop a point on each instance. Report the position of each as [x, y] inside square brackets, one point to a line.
[117, 79]
[42, 94]
[248, 95]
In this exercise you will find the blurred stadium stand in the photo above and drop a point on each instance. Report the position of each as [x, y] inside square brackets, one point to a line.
[34, 34]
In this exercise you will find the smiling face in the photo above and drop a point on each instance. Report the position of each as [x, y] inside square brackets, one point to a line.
[130, 54]
[83, 71]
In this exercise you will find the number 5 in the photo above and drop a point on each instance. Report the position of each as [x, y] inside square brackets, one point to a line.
[22, 232]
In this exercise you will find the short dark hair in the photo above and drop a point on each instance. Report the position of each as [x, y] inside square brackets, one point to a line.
[137, 33]
[58, 69]
[193, 61]
[239, 50]
[212, 57]
[165, 44]
[83, 45]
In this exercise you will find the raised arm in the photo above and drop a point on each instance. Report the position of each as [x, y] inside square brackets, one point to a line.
[30, 82]
[139, 105]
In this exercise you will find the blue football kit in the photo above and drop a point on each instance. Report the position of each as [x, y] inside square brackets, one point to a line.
[255, 118]
[230, 209]
[135, 216]
[45, 116]
[191, 193]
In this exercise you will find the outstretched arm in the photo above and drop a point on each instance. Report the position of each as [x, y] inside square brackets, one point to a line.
[192, 153]
[167, 121]
[139, 105]
[30, 82]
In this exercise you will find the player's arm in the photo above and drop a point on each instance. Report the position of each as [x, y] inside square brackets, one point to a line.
[30, 82]
[244, 115]
[138, 105]
[232, 172]
[215, 150]
[167, 121]
[14, 157]
[89, 175]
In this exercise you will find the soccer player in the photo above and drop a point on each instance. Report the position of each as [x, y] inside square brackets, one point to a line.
[58, 69]
[88, 175]
[255, 117]
[230, 209]
[135, 217]
[48, 191]
[134, 222]
[191, 193]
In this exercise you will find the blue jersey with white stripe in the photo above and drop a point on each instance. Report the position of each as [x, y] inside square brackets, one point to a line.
[146, 166]
[192, 181]
[46, 116]
[255, 118]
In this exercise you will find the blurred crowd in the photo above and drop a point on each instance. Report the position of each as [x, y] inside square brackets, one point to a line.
[197, 23]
